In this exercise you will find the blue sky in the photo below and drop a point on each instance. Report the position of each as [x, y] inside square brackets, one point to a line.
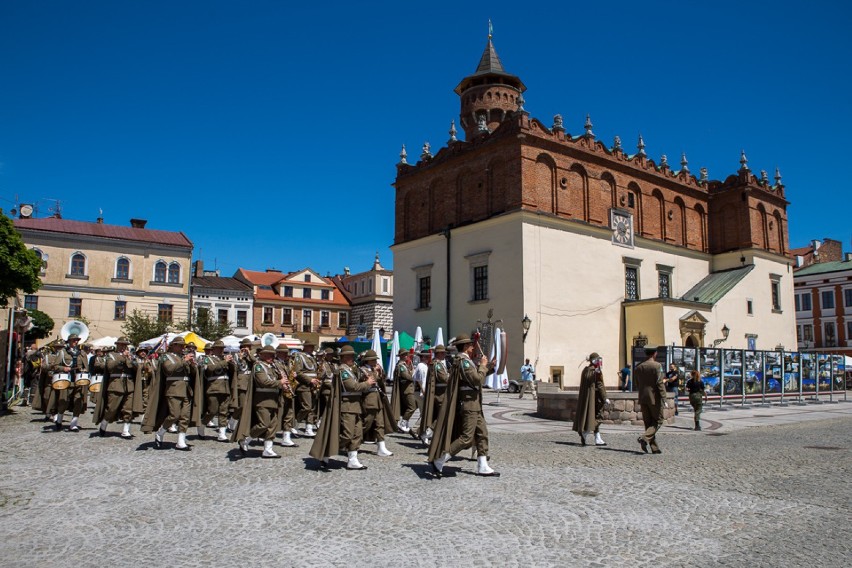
[268, 131]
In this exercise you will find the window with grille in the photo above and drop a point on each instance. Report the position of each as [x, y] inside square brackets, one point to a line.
[78, 265]
[287, 316]
[665, 284]
[424, 285]
[631, 283]
[31, 302]
[160, 272]
[120, 310]
[480, 282]
[75, 307]
[164, 312]
[174, 273]
[122, 269]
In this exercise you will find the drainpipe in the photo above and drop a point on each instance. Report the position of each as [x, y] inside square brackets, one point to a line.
[446, 233]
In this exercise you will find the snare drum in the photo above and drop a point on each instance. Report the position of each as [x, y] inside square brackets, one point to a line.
[97, 382]
[60, 381]
[82, 380]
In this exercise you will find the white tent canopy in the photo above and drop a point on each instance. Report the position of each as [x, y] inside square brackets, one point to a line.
[154, 341]
[107, 341]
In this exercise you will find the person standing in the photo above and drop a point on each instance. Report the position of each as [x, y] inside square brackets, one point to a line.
[624, 378]
[244, 363]
[527, 379]
[403, 404]
[341, 424]
[650, 384]
[435, 393]
[590, 401]
[697, 396]
[326, 377]
[72, 361]
[171, 395]
[377, 413]
[287, 413]
[263, 401]
[118, 399]
[217, 369]
[419, 377]
[673, 380]
[305, 365]
[463, 412]
[148, 367]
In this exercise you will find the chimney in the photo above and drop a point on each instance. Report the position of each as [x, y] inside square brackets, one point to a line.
[816, 244]
[848, 257]
[346, 271]
[138, 223]
[273, 270]
[100, 221]
[198, 270]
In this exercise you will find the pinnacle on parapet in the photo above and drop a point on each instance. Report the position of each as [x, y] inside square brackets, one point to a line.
[764, 177]
[616, 143]
[641, 147]
[664, 161]
[521, 102]
[426, 153]
[403, 155]
[588, 127]
[453, 132]
[704, 177]
[777, 176]
[743, 162]
[684, 164]
[557, 123]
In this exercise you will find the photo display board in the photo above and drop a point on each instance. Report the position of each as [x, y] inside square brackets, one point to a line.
[839, 373]
[774, 372]
[684, 359]
[823, 368]
[732, 372]
[754, 375]
[791, 373]
[808, 377]
[710, 370]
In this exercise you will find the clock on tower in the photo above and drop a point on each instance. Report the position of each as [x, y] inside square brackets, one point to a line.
[621, 223]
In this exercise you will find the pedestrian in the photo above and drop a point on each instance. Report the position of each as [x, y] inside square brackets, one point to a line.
[590, 401]
[673, 380]
[624, 378]
[697, 396]
[527, 379]
[650, 384]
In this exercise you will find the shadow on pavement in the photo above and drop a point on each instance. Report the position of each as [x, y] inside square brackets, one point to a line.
[145, 446]
[608, 449]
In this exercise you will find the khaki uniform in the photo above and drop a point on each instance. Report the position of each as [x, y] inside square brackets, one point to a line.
[374, 420]
[217, 388]
[473, 429]
[118, 388]
[435, 394]
[590, 401]
[266, 400]
[75, 398]
[288, 409]
[326, 375]
[351, 410]
[403, 400]
[305, 366]
[649, 381]
[149, 369]
[244, 364]
[179, 376]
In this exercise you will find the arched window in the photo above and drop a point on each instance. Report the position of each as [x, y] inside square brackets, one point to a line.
[78, 264]
[122, 269]
[160, 271]
[174, 273]
[42, 257]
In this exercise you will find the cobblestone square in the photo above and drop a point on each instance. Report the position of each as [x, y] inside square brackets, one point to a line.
[775, 495]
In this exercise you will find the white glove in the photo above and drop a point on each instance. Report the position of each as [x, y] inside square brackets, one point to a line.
[607, 401]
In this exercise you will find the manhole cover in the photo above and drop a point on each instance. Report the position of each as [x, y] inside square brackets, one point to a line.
[823, 448]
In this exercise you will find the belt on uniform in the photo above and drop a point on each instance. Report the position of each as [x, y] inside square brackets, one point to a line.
[372, 389]
[470, 389]
[177, 378]
[309, 375]
[440, 388]
[217, 378]
[350, 395]
[119, 376]
[266, 390]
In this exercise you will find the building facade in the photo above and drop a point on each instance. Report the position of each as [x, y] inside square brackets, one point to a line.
[301, 303]
[824, 306]
[598, 248]
[227, 300]
[101, 273]
[371, 296]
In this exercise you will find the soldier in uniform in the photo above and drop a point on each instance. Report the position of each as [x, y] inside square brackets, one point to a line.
[326, 376]
[217, 369]
[649, 381]
[377, 413]
[118, 399]
[172, 393]
[42, 400]
[464, 404]
[245, 362]
[590, 401]
[70, 360]
[263, 401]
[341, 423]
[305, 366]
[147, 368]
[403, 404]
[434, 393]
[287, 412]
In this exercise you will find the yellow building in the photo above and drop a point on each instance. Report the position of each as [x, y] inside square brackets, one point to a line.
[103, 272]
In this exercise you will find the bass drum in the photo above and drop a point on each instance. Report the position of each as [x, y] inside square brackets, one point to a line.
[82, 380]
[96, 383]
[60, 381]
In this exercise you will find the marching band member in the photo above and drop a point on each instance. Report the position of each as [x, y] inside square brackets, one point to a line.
[42, 399]
[172, 393]
[217, 369]
[403, 403]
[420, 376]
[147, 368]
[435, 393]
[326, 376]
[341, 422]
[118, 399]
[464, 405]
[71, 360]
[287, 413]
[377, 413]
[262, 403]
[590, 401]
[305, 365]
[244, 363]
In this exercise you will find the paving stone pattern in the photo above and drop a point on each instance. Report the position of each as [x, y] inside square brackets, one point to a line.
[762, 496]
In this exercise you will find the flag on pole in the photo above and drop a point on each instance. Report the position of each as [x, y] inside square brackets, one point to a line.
[394, 351]
[377, 347]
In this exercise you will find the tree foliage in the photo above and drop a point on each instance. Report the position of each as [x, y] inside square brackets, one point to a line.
[42, 325]
[203, 324]
[19, 266]
[140, 326]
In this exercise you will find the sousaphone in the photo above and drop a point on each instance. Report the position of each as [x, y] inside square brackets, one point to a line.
[74, 327]
[269, 339]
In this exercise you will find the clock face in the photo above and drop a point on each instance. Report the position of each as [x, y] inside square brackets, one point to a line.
[622, 229]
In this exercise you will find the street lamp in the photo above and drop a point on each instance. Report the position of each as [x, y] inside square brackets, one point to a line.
[526, 323]
[725, 333]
